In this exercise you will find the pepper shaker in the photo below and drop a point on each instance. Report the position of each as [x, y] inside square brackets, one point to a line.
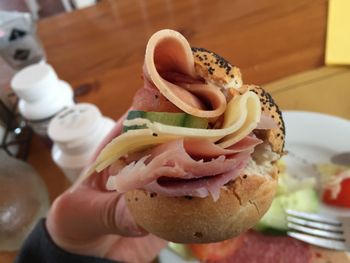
[77, 132]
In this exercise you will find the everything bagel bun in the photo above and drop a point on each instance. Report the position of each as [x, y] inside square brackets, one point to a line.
[242, 202]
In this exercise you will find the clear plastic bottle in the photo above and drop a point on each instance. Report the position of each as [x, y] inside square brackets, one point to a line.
[76, 133]
[23, 200]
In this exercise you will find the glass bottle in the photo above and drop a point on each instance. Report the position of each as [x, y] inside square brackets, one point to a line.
[23, 200]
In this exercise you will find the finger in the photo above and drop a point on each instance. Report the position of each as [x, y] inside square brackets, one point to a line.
[124, 224]
[87, 213]
[96, 180]
[99, 180]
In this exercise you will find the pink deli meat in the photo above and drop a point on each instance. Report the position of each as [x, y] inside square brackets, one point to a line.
[149, 98]
[185, 167]
[169, 65]
[266, 122]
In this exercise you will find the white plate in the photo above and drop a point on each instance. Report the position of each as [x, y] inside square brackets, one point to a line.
[312, 138]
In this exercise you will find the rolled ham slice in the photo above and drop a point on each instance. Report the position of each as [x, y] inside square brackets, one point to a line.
[169, 53]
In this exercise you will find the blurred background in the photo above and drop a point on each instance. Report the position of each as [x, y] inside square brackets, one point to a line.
[59, 58]
[47, 7]
[44, 8]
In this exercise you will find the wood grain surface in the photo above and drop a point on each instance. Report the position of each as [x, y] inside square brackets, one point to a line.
[100, 50]
[324, 90]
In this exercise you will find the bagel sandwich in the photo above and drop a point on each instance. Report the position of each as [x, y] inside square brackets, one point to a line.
[197, 156]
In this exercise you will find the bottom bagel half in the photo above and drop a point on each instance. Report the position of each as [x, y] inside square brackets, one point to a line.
[187, 219]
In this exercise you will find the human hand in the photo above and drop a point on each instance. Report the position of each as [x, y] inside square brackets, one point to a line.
[88, 220]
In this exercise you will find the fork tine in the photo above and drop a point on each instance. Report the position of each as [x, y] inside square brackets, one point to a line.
[318, 241]
[314, 217]
[316, 232]
[318, 225]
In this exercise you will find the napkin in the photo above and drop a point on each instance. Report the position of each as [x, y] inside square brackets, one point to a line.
[338, 32]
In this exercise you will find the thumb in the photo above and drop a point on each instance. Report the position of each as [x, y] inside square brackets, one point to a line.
[86, 213]
[120, 220]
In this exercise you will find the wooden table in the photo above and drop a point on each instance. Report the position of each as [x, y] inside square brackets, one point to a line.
[101, 49]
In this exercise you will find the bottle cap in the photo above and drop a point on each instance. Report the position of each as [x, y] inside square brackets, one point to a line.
[48, 106]
[35, 82]
[79, 128]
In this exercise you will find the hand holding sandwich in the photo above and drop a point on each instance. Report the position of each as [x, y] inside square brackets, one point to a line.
[194, 161]
[88, 220]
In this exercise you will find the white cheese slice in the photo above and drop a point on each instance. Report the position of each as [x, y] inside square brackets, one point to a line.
[241, 117]
[252, 111]
[129, 142]
[236, 119]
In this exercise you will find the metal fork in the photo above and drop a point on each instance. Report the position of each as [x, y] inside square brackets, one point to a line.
[320, 230]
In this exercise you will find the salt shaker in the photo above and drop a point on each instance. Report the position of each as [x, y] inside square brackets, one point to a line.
[42, 95]
[76, 133]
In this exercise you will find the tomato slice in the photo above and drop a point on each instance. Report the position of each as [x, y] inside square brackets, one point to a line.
[343, 198]
[213, 252]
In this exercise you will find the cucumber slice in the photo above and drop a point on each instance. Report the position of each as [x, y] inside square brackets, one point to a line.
[190, 121]
[304, 200]
[133, 115]
[168, 118]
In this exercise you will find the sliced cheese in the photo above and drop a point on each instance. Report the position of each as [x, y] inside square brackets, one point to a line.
[252, 111]
[241, 117]
[129, 142]
[236, 121]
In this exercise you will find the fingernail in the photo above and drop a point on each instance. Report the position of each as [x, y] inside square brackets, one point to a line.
[126, 222]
